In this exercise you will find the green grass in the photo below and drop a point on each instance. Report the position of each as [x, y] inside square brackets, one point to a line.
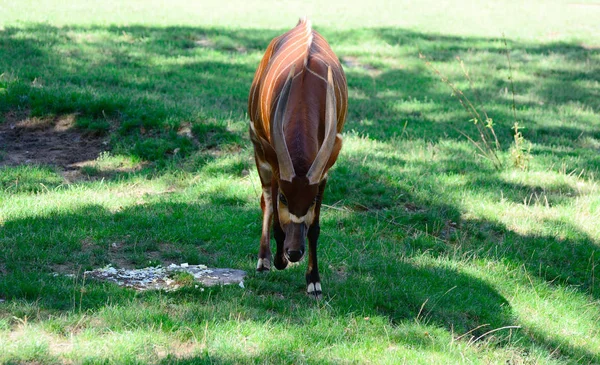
[428, 253]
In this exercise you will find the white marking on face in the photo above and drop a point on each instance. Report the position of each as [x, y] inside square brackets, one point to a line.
[286, 217]
[298, 219]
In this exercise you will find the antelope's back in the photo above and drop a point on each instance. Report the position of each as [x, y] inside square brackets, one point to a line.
[311, 55]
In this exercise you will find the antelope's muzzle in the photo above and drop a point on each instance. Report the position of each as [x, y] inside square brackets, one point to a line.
[294, 243]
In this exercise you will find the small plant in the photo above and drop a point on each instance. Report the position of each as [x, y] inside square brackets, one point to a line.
[104, 156]
[183, 278]
[520, 151]
[488, 144]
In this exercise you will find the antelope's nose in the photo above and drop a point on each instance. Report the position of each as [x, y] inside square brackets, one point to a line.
[295, 255]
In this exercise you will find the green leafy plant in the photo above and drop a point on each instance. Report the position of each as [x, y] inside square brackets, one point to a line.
[487, 143]
[520, 151]
[183, 278]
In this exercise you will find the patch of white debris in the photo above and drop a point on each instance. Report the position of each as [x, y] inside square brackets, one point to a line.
[162, 277]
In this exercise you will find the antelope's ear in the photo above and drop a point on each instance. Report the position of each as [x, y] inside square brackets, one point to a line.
[263, 147]
[336, 151]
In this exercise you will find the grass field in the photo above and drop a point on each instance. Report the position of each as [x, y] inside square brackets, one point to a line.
[123, 141]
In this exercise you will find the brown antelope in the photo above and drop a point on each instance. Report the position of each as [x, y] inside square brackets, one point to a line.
[297, 105]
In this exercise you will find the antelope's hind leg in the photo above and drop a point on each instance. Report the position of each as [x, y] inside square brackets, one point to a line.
[264, 253]
[266, 203]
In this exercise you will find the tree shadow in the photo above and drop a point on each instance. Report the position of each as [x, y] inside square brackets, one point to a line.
[93, 236]
[419, 204]
[382, 273]
[149, 82]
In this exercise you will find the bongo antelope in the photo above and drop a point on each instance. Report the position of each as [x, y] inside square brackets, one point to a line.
[297, 106]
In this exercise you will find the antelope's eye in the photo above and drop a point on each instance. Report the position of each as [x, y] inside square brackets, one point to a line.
[282, 198]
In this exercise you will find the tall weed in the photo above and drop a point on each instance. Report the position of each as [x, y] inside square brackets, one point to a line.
[487, 142]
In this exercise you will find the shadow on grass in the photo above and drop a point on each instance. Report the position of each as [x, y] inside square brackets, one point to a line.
[423, 200]
[153, 83]
[369, 270]
[433, 294]
[148, 81]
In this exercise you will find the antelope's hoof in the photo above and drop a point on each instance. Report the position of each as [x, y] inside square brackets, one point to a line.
[314, 291]
[280, 262]
[263, 264]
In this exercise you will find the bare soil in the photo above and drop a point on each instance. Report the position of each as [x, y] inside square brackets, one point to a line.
[55, 141]
[353, 62]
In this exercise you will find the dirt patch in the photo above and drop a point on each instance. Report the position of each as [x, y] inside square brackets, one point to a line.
[118, 256]
[203, 41]
[353, 62]
[26, 140]
[413, 208]
[590, 47]
[179, 350]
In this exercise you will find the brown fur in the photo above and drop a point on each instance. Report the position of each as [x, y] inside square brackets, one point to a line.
[303, 57]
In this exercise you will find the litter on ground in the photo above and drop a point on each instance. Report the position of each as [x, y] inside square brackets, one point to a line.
[162, 278]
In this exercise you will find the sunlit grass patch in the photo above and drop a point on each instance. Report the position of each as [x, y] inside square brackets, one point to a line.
[428, 254]
[30, 179]
[108, 163]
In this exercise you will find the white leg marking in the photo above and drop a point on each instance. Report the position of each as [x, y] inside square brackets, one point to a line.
[263, 264]
[314, 290]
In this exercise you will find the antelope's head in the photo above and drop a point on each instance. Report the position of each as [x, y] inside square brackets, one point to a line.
[298, 195]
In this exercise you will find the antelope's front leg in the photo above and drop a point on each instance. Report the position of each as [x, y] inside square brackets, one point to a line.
[264, 253]
[280, 261]
[313, 281]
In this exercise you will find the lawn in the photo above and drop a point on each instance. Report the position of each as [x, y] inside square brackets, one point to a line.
[123, 141]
